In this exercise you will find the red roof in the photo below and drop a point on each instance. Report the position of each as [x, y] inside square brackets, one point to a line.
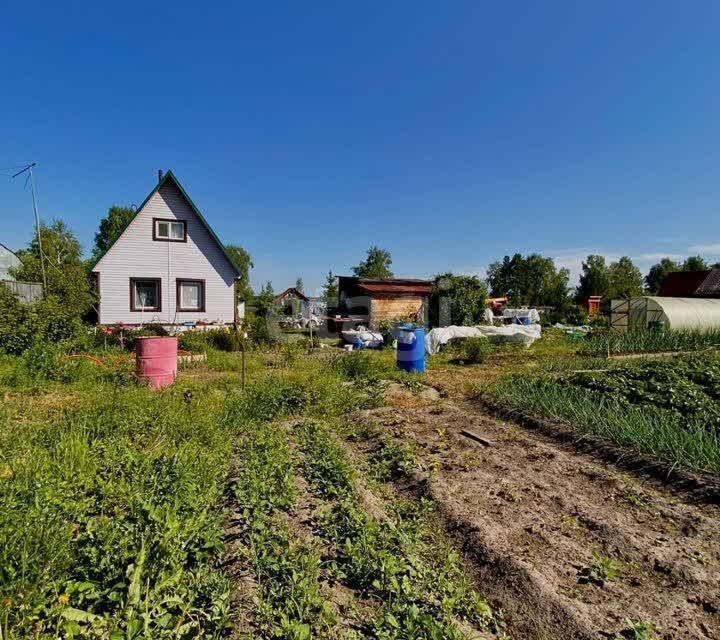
[395, 287]
[293, 292]
[684, 284]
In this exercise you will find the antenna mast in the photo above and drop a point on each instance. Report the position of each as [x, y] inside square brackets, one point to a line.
[29, 169]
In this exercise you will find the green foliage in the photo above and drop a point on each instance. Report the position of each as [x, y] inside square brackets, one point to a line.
[111, 226]
[695, 263]
[643, 630]
[648, 341]
[405, 563]
[602, 569]
[460, 298]
[690, 441]
[263, 300]
[531, 280]
[243, 263]
[476, 350]
[657, 274]
[625, 280]
[299, 285]
[67, 276]
[330, 288]
[45, 321]
[111, 519]
[594, 279]
[376, 264]
[198, 341]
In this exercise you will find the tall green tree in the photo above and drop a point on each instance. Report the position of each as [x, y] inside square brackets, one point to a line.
[658, 272]
[625, 278]
[594, 279]
[68, 279]
[695, 263]
[376, 264]
[532, 280]
[243, 263]
[111, 226]
[263, 300]
[457, 299]
[330, 288]
[299, 285]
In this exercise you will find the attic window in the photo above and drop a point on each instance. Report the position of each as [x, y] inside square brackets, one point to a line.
[169, 230]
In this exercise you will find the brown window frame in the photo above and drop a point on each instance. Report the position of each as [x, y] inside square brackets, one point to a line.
[159, 239]
[158, 282]
[178, 298]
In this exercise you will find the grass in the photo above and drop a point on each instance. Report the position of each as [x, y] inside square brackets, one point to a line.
[649, 341]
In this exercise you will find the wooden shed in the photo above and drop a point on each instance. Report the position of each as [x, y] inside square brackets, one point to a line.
[371, 301]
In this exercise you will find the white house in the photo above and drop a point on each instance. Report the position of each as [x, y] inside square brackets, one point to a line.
[167, 266]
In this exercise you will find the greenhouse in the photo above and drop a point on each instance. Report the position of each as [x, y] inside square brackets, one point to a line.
[696, 314]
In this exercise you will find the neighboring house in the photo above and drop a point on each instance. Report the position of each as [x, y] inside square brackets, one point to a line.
[372, 301]
[8, 260]
[167, 266]
[691, 284]
[23, 291]
[291, 301]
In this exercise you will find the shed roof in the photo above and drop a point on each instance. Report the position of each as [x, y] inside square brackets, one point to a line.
[682, 283]
[389, 286]
[291, 291]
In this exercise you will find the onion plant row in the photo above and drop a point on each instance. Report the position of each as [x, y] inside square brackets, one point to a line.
[690, 441]
[649, 341]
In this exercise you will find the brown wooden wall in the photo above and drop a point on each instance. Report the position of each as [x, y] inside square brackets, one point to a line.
[390, 308]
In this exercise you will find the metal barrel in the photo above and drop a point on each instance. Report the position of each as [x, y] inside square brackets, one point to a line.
[156, 360]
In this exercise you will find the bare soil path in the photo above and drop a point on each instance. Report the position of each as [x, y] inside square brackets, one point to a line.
[569, 545]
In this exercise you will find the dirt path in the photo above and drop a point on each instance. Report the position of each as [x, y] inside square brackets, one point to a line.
[570, 546]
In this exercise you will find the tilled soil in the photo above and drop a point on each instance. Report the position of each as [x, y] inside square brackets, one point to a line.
[535, 516]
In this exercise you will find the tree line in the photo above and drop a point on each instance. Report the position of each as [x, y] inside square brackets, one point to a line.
[532, 280]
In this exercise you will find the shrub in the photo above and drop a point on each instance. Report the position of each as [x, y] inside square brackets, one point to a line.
[22, 324]
[220, 339]
[477, 350]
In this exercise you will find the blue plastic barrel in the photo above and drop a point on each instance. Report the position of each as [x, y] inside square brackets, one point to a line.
[411, 357]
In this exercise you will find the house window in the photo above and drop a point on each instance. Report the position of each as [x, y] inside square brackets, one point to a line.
[145, 294]
[191, 295]
[169, 230]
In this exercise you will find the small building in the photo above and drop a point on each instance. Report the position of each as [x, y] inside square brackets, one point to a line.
[591, 304]
[371, 301]
[8, 260]
[167, 266]
[691, 284]
[290, 302]
[23, 291]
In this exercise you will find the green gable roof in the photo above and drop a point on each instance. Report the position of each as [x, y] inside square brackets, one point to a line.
[170, 177]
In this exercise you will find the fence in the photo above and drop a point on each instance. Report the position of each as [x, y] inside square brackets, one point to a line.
[24, 291]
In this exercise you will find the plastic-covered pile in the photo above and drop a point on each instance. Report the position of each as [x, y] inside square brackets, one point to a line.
[516, 333]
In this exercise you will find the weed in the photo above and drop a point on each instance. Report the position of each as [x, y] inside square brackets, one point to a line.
[602, 569]
[643, 630]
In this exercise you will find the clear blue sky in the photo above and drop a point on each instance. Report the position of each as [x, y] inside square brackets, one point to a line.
[450, 133]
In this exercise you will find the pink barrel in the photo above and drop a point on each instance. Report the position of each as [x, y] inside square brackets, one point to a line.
[156, 360]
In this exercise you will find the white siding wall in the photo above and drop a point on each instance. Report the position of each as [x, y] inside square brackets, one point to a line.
[137, 255]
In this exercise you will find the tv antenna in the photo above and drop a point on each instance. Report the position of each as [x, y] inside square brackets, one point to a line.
[29, 169]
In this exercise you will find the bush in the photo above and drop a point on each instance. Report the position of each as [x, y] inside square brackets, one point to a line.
[22, 325]
[477, 350]
[198, 341]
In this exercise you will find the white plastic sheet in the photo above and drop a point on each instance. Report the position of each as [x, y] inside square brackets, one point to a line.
[523, 312]
[369, 339]
[516, 333]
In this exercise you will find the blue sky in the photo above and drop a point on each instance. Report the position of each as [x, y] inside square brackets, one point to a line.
[448, 133]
